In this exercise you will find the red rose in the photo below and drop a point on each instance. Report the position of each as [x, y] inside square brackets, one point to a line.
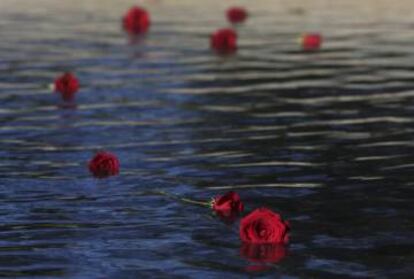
[104, 164]
[228, 206]
[236, 14]
[224, 41]
[311, 41]
[136, 21]
[263, 226]
[67, 85]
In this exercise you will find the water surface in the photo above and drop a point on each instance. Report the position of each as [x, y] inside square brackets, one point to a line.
[324, 138]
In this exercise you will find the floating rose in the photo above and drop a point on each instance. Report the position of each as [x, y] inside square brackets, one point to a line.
[136, 21]
[224, 41]
[227, 206]
[263, 226]
[67, 85]
[236, 14]
[104, 164]
[311, 41]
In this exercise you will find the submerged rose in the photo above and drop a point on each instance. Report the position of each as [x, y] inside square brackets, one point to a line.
[67, 85]
[236, 14]
[224, 41]
[104, 164]
[136, 21]
[227, 206]
[311, 41]
[263, 226]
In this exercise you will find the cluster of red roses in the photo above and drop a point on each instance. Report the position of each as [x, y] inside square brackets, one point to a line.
[224, 41]
[264, 234]
[137, 22]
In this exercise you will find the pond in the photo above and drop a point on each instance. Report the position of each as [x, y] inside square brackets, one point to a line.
[324, 138]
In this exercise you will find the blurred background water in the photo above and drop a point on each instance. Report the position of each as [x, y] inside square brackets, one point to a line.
[324, 138]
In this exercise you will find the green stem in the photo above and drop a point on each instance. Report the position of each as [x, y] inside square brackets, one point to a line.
[185, 200]
[195, 202]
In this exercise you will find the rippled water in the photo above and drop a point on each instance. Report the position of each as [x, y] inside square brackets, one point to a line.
[324, 138]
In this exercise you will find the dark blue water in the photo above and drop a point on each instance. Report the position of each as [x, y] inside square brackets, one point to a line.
[324, 138]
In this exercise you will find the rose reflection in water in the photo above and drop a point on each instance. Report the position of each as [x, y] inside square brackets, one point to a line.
[228, 217]
[69, 106]
[261, 256]
[67, 115]
[134, 40]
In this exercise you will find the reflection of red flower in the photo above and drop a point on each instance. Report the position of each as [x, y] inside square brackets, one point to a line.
[236, 14]
[263, 226]
[311, 41]
[257, 268]
[67, 85]
[262, 254]
[136, 21]
[228, 206]
[104, 164]
[224, 41]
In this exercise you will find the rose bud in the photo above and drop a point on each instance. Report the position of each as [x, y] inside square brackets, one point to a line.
[136, 21]
[224, 41]
[263, 226]
[263, 253]
[104, 164]
[228, 206]
[311, 41]
[67, 85]
[236, 14]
